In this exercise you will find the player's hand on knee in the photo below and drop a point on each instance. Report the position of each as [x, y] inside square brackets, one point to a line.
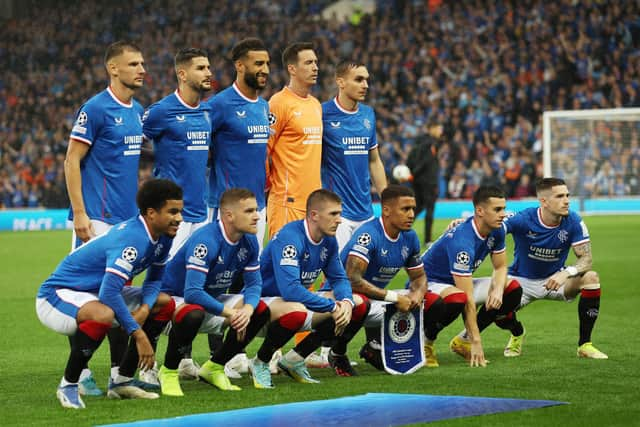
[341, 316]
[556, 280]
[404, 303]
[146, 355]
[240, 319]
[494, 299]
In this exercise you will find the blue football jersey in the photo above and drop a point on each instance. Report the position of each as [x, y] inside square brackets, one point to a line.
[205, 266]
[123, 252]
[460, 251]
[109, 171]
[292, 261]
[240, 127]
[347, 138]
[541, 250]
[181, 134]
[385, 256]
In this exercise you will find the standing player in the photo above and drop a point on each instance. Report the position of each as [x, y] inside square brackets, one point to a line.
[295, 146]
[240, 130]
[291, 262]
[542, 239]
[350, 158]
[453, 258]
[180, 127]
[197, 278]
[101, 165]
[87, 291]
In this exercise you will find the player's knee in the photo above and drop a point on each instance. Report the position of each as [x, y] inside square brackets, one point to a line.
[590, 278]
[102, 313]
[513, 286]
[293, 320]
[190, 313]
[361, 309]
[431, 299]
[456, 298]
[164, 309]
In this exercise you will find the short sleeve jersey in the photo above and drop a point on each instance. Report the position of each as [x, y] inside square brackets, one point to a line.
[540, 249]
[384, 256]
[240, 132]
[109, 170]
[180, 134]
[347, 139]
[460, 251]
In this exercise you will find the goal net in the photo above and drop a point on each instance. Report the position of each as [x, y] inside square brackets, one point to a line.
[596, 152]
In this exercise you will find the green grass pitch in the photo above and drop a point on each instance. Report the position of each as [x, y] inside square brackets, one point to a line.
[601, 393]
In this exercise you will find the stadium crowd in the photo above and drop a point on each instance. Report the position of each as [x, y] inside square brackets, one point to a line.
[485, 70]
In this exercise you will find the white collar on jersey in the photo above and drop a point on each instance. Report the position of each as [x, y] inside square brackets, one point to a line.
[243, 96]
[385, 232]
[344, 110]
[306, 231]
[224, 234]
[144, 223]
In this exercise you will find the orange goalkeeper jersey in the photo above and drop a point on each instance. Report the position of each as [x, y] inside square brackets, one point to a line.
[294, 149]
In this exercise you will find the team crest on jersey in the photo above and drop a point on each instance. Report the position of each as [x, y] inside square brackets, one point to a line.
[401, 327]
[82, 119]
[491, 241]
[242, 254]
[200, 251]
[367, 123]
[272, 119]
[129, 254]
[335, 124]
[563, 235]
[158, 250]
[324, 254]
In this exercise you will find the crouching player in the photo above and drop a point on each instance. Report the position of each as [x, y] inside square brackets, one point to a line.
[543, 237]
[197, 278]
[453, 258]
[86, 292]
[290, 263]
[375, 254]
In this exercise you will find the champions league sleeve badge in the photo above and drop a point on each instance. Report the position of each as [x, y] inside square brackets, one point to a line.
[402, 340]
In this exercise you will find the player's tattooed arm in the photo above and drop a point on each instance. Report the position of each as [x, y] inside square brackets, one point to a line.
[355, 269]
[584, 257]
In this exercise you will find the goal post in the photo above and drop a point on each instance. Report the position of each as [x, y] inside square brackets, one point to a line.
[595, 151]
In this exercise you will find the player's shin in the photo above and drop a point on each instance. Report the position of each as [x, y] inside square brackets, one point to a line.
[86, 340]
[323, 331]
[588, 310]
[440, 312]
[279, 332]
[232, 345]
[357, 320]
[152, 327]
[184, 330]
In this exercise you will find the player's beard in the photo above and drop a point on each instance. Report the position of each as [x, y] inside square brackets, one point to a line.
[199, 87]
[251, 80]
